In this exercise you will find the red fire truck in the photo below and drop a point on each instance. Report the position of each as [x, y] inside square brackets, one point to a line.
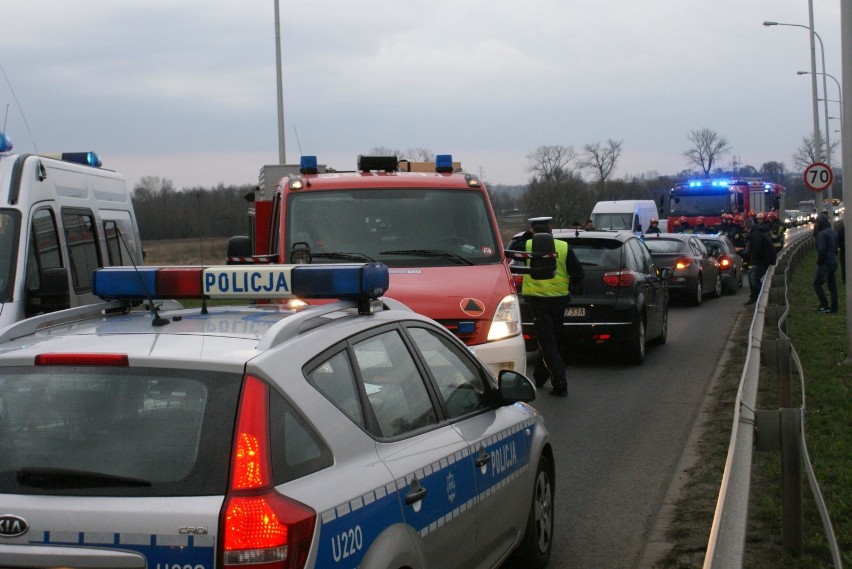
[435, 230]
[713, 197]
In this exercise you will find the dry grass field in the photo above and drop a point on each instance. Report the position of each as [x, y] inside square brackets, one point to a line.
[207, 251]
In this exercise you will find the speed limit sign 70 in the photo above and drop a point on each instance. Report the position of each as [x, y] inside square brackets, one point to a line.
[818, 176]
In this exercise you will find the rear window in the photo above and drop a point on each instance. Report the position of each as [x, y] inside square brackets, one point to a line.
[664, 245]
[115, 431]
[601, 253]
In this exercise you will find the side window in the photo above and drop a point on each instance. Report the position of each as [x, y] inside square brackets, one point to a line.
[298, 449]
[458, 379]
[120, 237]
[647, 259]
[394, 387]
[631, 259]
[43, 251]
[81, 236]
[699, 247]
[113, 242]
[334, 379]
[641, 260]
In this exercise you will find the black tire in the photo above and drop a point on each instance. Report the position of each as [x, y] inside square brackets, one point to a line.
[697, 295]
[634, 351]
[534, 550]
[717, 287]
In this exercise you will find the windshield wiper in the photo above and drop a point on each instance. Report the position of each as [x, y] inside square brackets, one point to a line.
[343, 256]
[67, 478]
[430, 253]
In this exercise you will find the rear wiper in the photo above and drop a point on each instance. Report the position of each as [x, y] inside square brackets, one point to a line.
[67, 478]
[430, 253]
[343, 256]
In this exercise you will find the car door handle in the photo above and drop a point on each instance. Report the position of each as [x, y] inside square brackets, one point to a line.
[482, 458]
[416, 493]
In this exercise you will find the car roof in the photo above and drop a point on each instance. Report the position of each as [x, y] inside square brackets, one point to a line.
[225, 337]
[566, 234]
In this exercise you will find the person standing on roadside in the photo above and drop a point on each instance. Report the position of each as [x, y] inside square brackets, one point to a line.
[761, 254]
[826, 271]
[549, 298]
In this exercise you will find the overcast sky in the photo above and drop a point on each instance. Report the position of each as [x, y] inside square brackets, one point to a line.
[186, 90]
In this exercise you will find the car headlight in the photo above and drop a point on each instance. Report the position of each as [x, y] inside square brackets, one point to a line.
[507, 319]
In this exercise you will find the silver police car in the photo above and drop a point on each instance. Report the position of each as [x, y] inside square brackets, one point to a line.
[349, 434]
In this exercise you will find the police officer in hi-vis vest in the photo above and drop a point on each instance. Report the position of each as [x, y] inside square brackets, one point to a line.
[547, 291]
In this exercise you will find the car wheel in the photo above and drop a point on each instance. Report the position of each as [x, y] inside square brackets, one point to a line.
[664, 331]
[534, 550]
[698, 292]
[635, 352]
[717, 287]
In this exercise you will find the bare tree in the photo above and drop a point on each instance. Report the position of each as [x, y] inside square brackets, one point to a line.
[805, 154]
[418, 154]
[601, 160]
[707, 146]
[774, 172]
[552, 163]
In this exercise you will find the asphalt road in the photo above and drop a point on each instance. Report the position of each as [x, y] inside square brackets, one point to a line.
[619, 435]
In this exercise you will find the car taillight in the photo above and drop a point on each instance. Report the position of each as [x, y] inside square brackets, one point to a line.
[623, 277]
[724, 262]
[260, 527]
[682, 263]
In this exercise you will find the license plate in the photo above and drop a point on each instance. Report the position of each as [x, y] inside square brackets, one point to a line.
[575, 312]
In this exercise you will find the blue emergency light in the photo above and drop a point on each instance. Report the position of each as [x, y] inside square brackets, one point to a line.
[444, 163]
[308, 165]
[5, 142]
[85, 158]
[349, 281]
[712, 183]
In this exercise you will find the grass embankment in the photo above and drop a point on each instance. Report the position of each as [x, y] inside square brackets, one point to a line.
[820, 342]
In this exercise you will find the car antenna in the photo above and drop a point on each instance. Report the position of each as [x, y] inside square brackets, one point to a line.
[158, 320]
[42, 171]
[201, 247]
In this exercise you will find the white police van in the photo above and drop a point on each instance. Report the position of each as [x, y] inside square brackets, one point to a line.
[351, 434]
[60, 218]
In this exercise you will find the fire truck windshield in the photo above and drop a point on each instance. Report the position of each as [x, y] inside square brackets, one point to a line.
[691, 204]
[399, 227]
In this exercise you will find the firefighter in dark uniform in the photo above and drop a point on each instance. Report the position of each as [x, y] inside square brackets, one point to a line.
[654, 227]
[549, 298]
[699, 225]
[776, 230]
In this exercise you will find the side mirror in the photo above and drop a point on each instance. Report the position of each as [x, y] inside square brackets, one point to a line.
[238, 246]
[53, 292]
[666, 273]
[514, 387]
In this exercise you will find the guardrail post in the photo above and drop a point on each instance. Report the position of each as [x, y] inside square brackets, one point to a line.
[791, 480]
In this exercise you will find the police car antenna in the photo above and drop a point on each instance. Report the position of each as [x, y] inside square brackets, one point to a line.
[158, 320]
[20, 108]
[201, 247]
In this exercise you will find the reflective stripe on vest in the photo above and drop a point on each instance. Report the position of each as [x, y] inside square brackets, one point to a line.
[558, 285]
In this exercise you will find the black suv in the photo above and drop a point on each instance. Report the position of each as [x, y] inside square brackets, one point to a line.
[623, 300]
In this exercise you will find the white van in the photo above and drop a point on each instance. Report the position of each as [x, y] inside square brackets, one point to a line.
[635, 215]
[59, 221]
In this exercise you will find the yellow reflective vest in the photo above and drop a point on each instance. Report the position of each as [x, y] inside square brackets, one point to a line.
[558, 285]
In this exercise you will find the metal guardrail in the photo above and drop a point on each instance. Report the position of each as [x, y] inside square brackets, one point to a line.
[726, 545]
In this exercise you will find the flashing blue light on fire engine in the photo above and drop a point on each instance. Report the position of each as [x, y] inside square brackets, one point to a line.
[709, 183]
[351, 281]
[444, 163]
[308, 165]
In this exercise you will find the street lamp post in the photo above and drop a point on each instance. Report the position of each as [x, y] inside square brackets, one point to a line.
[282, 153]
[817, 137]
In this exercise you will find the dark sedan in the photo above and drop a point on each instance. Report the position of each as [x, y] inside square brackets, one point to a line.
[623, 300]
[731, 263]
[695, 272]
